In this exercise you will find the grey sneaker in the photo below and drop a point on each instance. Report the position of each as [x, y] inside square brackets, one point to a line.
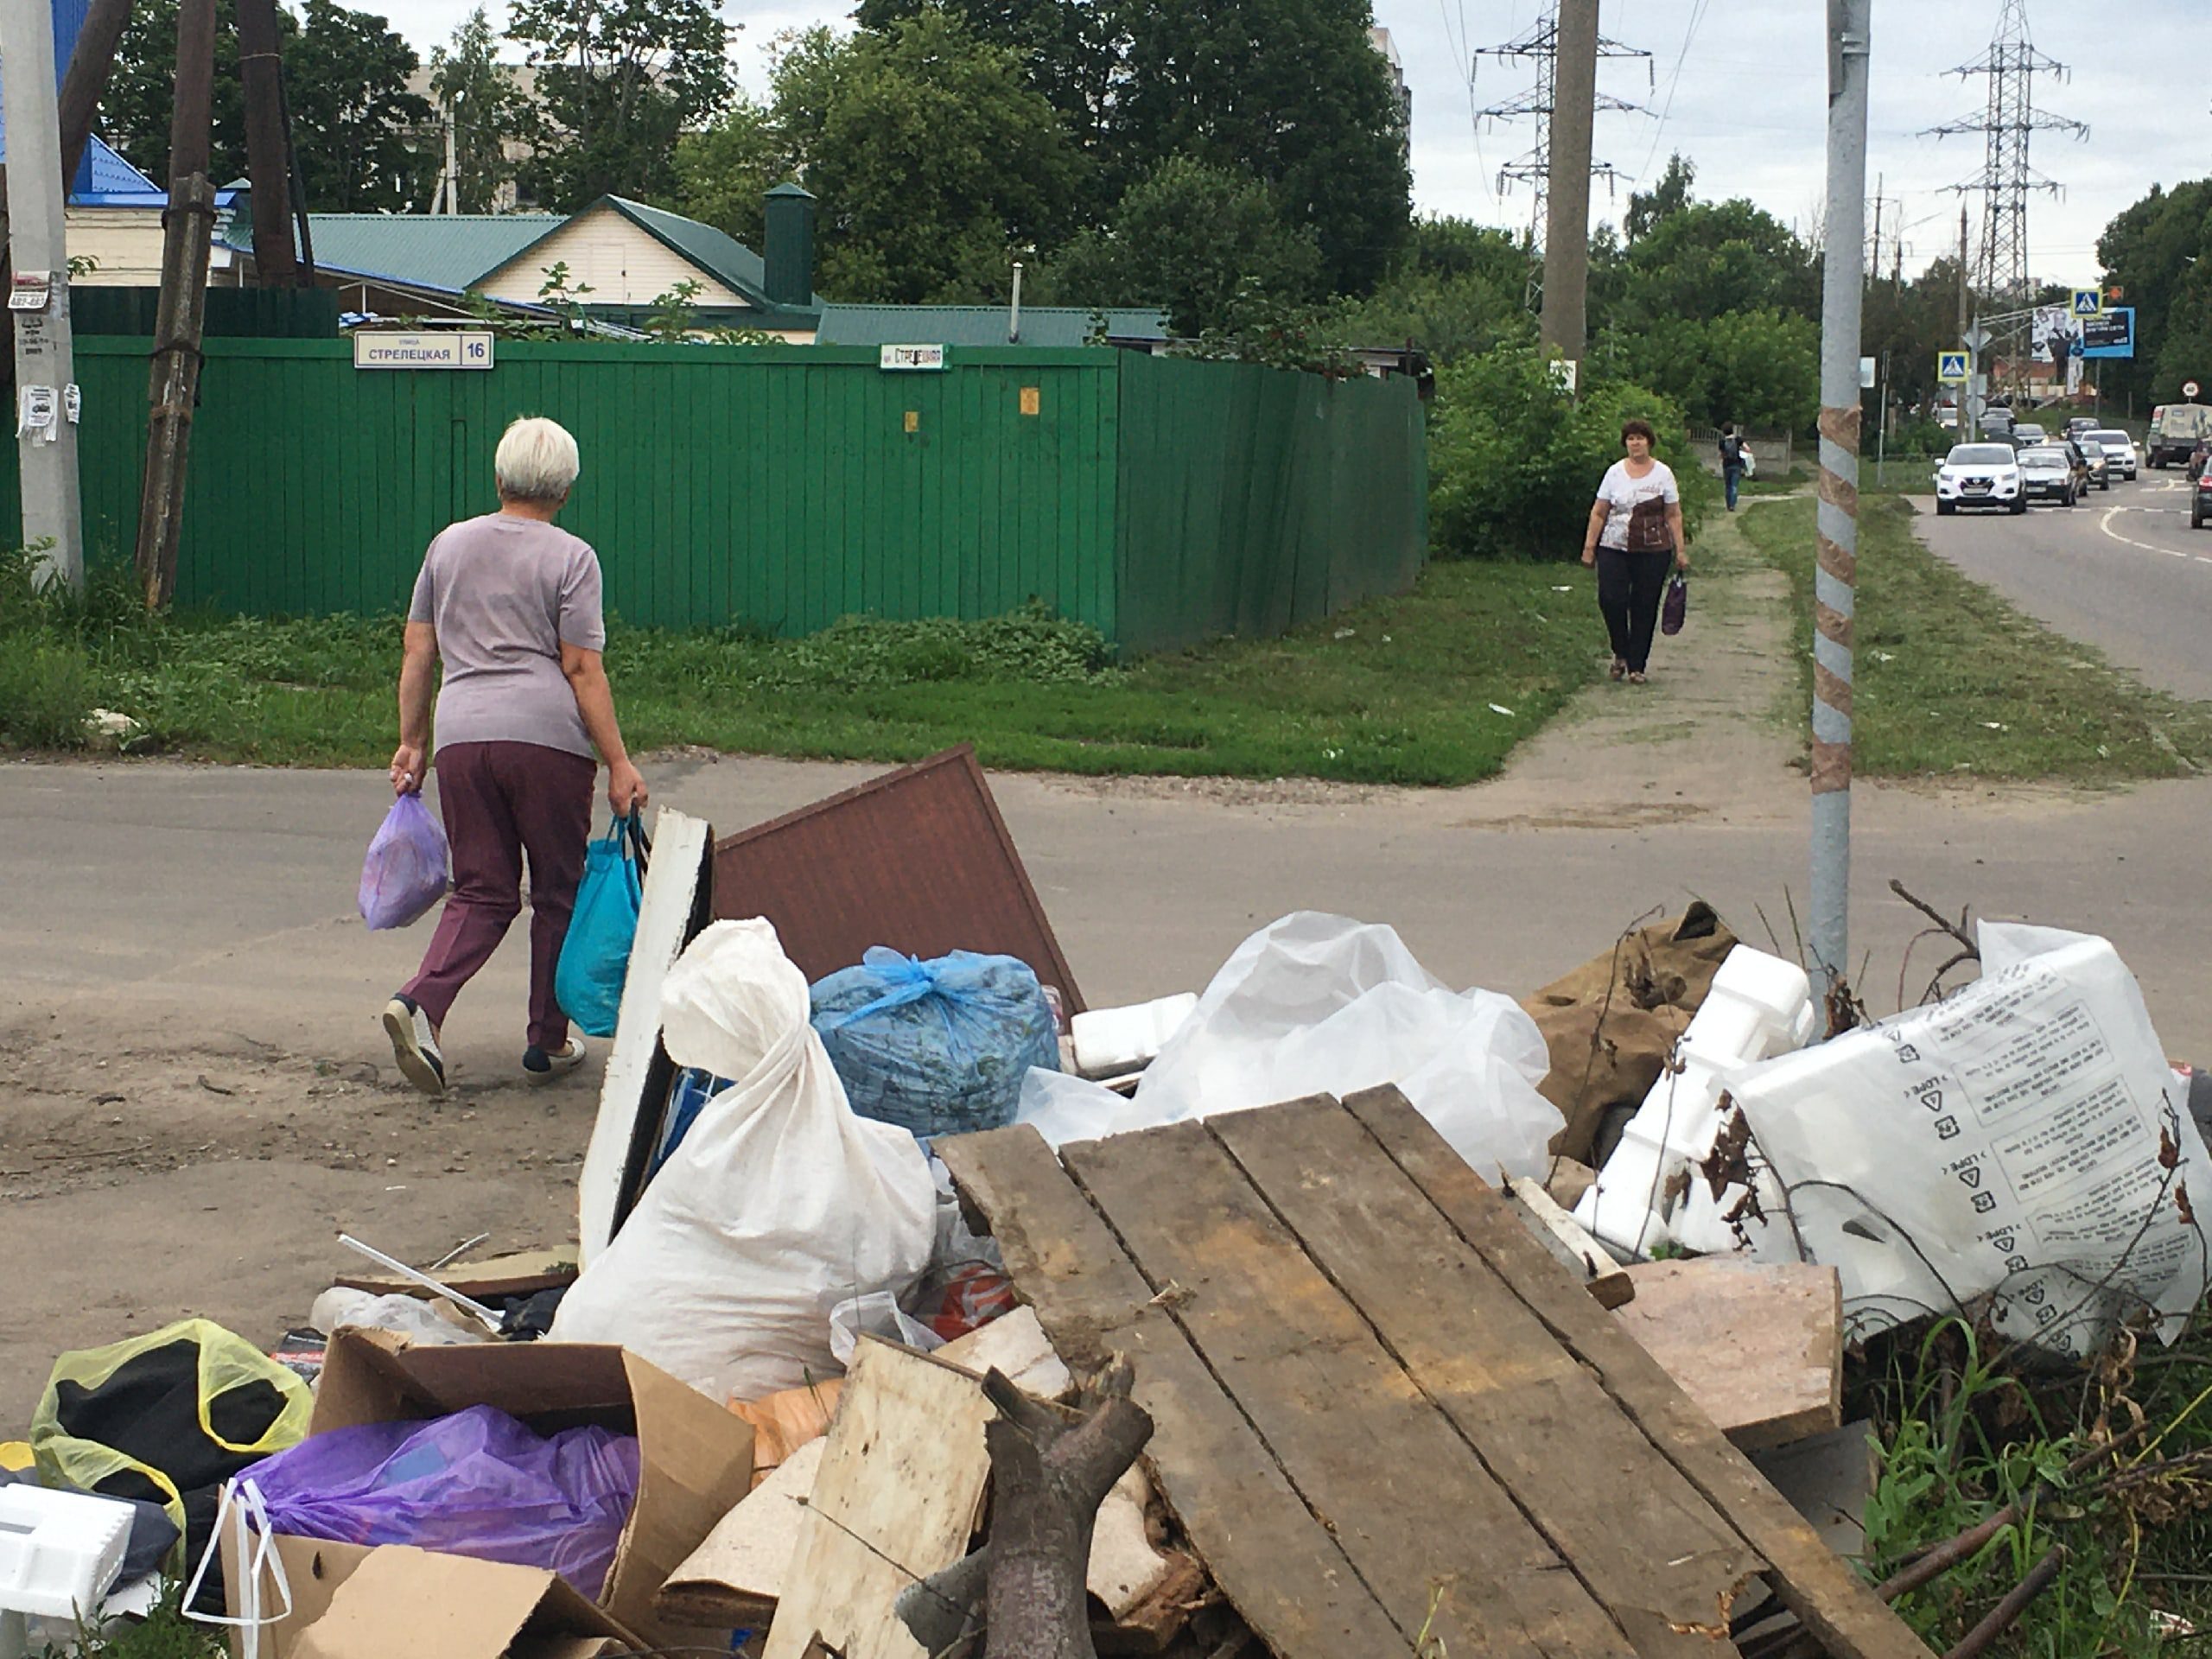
[415, 1045]
[542, 1067]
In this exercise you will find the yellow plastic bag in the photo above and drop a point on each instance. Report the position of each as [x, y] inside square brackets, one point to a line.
[158, 1416]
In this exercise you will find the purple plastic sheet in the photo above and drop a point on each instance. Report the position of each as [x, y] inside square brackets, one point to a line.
[476, 1483]
[405, 870]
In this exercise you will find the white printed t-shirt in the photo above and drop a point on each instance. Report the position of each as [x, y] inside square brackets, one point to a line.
[1644, 501]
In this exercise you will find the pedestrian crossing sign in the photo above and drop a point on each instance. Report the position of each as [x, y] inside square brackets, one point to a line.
[1952, 367]
[2088, 302]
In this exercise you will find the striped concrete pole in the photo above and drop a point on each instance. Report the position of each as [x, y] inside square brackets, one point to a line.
[1842, 289]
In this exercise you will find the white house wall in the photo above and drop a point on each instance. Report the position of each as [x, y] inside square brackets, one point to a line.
[621, 264]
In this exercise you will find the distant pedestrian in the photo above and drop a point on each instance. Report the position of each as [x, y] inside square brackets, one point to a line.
[509, 605]
[1635, 531]
[1732, 461]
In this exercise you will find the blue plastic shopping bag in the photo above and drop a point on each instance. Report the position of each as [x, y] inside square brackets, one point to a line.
[595, 956]
[405, 870]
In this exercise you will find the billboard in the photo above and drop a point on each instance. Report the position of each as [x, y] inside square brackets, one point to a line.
[2057, 340]
[2111, 334]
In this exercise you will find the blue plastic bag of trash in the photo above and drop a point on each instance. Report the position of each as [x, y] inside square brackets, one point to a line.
[405, 872]
[595, 955]
[937, 1047]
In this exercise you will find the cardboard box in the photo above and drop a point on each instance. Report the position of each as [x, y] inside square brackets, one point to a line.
[696, 1462]
[409, 1601]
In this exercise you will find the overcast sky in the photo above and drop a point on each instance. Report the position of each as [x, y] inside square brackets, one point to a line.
[1740, 86]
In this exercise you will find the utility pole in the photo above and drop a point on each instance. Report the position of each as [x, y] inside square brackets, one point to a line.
[38, 301]
[176, 379]
[260, 76]
[1842, 294]
[1539, 44]
[1563, 324]
[1969, 399]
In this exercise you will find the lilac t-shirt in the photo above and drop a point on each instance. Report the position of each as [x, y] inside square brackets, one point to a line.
[504, 593]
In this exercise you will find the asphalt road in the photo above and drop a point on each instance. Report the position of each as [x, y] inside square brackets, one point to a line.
[2122, 572]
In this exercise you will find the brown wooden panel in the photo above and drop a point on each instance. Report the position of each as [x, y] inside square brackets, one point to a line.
[1813, 1581]
[1634, 1531]
[919, 859]
[1409, 1501]
[1278, 1564]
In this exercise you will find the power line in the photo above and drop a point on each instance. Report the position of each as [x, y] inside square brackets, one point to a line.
[1674, 80]
[1539, 44]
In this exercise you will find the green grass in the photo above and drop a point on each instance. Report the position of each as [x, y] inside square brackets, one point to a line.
[1398, 690]
[1952, 682]
[1774, 483]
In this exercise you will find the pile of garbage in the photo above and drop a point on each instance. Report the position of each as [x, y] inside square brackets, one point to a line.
[778, 1305]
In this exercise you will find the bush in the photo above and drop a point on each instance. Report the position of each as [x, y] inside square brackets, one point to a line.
[46, 693]
[1514, 463]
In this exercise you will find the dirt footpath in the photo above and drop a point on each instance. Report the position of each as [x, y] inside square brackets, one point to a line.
[195, 1098]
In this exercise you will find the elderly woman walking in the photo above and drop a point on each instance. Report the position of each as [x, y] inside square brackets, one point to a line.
[1634, 525]
[509, 605]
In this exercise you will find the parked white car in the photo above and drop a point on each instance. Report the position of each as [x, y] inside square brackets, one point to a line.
[2119, 451]
[1979, 475]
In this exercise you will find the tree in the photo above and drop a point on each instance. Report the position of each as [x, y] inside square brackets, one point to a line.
[1195, 240]
[1761, 368]
[357, 128]
[466, 78]
[1462, 290]
[722, 173]
[359, 133]
[2151, 251]
[935, 162]
[1668, 197]
[1289, 92]
[616, 84]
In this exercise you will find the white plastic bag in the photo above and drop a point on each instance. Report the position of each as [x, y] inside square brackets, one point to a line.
[2025, 1137]
[778, 1204]
[1319, 1004]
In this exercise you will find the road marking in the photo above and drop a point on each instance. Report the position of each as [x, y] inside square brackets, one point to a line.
[2104, 523]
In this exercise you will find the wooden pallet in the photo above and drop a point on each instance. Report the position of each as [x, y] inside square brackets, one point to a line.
[1384, 1411]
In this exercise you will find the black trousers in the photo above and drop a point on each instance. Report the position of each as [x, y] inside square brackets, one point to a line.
[1629, 586]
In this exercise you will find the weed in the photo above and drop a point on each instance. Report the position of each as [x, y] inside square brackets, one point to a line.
[164, 1634]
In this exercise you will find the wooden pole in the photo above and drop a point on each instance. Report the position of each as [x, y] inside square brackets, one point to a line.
[267, 170]
[187, 227]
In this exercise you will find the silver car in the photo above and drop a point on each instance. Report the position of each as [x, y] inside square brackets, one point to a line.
[2119, 451]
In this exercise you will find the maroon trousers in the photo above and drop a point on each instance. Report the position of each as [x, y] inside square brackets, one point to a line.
[501, 800]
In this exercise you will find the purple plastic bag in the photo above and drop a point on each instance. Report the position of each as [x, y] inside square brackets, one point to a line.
[476, 1483]
[405, 870]
[1677, 604]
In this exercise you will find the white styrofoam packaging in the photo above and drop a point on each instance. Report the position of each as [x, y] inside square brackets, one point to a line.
[2024, 1139]
[1759, 1005]
[58, 1551]
[1110, 1042]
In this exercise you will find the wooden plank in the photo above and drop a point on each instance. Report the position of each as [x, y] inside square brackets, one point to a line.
[635, 1087]
[1278, 1563]
[1358, 1441]
[900, 1487]
[1648, 1547]
[1758, 1345]
[737, 1576]
[1835, 1605]
[1563, 1237]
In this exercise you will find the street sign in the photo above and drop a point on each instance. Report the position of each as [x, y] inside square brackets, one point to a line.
[1974, 338]
[2088, 302]
[1953, 367]
[2189, 389]
[1865, 372]
[1566, 374]
[907, 357]
[460, 350]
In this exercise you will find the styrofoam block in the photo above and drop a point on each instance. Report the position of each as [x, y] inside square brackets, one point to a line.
[1759, 1005]
[58, 1551]
[1110, 1041]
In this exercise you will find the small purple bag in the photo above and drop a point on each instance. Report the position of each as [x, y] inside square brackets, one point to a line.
[405, 870]
[477, 1483]
[1677, 604]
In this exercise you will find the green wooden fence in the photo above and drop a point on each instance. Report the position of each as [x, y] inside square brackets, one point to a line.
[1161, 500]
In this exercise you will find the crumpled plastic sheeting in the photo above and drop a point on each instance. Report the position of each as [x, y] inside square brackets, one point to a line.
[1321, 1004]
[2024, 1139]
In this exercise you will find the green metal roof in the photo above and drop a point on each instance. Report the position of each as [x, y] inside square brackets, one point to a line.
[447, 251]
[982, 325]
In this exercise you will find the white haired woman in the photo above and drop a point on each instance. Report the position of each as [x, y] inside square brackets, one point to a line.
[509, 606]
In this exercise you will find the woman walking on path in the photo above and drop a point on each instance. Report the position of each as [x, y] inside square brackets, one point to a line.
[1634, 525]
[510, 607]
